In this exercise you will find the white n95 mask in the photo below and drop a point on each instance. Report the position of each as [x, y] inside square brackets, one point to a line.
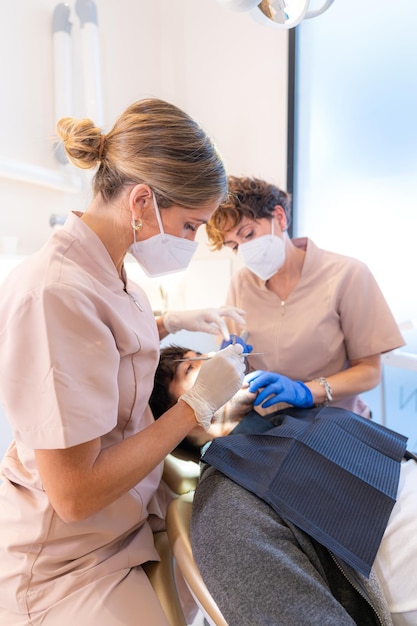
[162, 253]
[264, 256]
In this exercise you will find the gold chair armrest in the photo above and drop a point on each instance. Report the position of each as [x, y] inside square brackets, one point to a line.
[178, 529]
[162, 578]
[180, 476]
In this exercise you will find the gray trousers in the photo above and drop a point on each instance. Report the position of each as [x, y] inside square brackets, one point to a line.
[263, 571]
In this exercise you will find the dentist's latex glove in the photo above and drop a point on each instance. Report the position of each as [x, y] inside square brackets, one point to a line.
[277, 388]
[236, 339]
[218, 380]
[204, 320]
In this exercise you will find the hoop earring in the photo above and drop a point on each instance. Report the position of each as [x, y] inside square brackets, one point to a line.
[136, 224]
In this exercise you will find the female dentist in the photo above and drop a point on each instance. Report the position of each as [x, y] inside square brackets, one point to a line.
[78, 350]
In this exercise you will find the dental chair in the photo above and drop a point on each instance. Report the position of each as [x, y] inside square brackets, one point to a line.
[162, 578]
[174, 547]
[178, 528]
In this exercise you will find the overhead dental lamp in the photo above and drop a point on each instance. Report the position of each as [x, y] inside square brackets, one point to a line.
[279, 13]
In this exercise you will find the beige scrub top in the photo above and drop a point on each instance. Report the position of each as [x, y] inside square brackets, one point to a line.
[335, 313]
[77, 361]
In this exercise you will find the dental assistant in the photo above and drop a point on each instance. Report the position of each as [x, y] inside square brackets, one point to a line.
[318, 317]
[81, 483]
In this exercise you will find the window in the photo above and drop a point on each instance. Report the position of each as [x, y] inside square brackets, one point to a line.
[355, 155]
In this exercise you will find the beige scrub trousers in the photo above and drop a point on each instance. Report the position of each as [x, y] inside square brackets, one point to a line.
[78, 354]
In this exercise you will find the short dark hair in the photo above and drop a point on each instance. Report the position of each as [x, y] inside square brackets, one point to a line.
[161, 400]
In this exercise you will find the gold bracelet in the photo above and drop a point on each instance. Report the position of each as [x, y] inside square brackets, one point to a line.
[327, 389]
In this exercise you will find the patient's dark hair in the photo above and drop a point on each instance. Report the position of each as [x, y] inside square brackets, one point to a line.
[161, 400]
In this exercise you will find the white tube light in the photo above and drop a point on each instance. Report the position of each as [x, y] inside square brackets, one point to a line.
[62, 57]
[93, 99]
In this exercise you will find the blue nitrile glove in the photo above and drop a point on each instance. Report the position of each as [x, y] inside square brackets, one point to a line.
[236, 339]
[277, 388]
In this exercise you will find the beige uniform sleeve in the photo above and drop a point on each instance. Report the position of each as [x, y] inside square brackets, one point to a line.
[59, 370]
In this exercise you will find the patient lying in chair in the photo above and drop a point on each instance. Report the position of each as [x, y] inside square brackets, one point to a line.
[397, 555]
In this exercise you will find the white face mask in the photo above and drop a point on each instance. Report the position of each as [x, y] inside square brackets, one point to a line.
[264, 255]
[162, 253]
